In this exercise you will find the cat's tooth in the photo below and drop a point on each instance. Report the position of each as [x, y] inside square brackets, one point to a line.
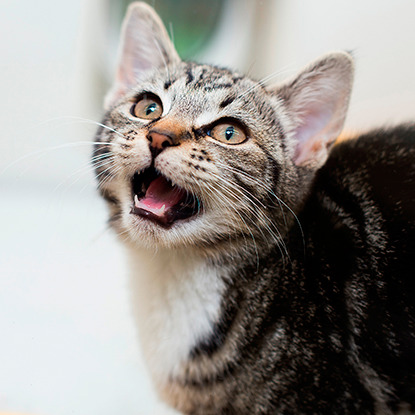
[162, 210]
[136, 202]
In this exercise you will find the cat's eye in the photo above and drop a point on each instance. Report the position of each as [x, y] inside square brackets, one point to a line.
[148, 107]
[228, 132]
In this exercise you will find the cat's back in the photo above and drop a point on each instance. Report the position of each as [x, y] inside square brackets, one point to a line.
[365, 192]
[360, 230]
[372, 180]
[379, 165]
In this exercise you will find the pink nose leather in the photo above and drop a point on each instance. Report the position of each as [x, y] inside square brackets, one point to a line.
[159, 141]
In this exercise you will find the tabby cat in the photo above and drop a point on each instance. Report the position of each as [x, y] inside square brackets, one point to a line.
[272, 269]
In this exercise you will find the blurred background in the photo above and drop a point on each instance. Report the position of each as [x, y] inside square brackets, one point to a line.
[67, 340]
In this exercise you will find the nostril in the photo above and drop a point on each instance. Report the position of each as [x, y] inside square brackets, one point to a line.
[159, 141]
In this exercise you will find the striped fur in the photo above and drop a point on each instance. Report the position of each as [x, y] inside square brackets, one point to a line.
[291, 289]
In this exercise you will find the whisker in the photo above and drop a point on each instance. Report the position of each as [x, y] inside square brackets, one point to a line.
[84, 120]
[257, 212]
[256, 182]
[162, 57]
[110, 176]
[171, 32]
[47, 150]
[226, 203]
[99, 157]
[104, 159]
[267, 222]
[271, 192]
[262, 82]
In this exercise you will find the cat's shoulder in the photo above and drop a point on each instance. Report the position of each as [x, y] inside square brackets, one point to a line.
[383, 159]
[376, 146]
[364, 196]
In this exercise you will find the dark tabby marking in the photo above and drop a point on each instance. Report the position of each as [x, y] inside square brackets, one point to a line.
[351, 296]
[190, 76]
[273, 270]
[226, 102]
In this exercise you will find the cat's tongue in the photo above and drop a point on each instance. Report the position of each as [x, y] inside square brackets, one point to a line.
[160, 198]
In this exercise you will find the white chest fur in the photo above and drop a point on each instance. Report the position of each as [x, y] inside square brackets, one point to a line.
[176, 299]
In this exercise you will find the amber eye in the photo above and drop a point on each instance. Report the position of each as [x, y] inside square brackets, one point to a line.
[228, 132]
[147, 108]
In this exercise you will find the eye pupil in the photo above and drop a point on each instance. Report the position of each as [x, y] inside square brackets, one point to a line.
[229, 133]
[151, 108]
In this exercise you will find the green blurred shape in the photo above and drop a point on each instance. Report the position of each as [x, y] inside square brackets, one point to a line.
[190, 23]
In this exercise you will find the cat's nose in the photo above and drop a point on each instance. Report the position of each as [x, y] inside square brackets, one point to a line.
[159, 141]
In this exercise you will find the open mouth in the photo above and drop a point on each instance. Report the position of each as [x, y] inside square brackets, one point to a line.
[156, 198]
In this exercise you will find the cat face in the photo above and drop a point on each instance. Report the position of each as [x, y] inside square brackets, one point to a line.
[194, 155]
[191, 143]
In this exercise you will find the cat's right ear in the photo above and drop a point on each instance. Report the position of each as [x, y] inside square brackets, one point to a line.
[145, 45]
[316, 102]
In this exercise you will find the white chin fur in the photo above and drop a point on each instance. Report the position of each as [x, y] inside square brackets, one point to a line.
[150, 235]
[190, 232]
[176, 298]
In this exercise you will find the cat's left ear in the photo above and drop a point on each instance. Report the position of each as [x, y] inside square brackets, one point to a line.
[145, 45]
[316, 102]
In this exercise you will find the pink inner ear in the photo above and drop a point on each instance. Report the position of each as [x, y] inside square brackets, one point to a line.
[145, 46]
[315, 133]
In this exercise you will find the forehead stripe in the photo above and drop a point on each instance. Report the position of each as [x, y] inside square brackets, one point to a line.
[228, 100]
[169, 83]
[190, 76]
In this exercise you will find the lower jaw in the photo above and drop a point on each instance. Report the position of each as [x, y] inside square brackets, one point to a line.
[167, 221]
[139, 233]
[191, 234]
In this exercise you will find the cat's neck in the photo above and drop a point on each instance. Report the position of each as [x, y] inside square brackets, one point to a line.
[177, 298]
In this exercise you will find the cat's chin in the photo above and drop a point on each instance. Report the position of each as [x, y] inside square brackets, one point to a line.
[204, 231]
[147, 232]
[162, 221]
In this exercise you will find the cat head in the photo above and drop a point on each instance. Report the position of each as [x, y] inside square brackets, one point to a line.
[195, 155]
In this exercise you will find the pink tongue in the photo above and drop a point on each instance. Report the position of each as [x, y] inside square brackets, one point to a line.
[160, 197]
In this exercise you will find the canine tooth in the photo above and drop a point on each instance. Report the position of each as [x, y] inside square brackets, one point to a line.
[136, 200]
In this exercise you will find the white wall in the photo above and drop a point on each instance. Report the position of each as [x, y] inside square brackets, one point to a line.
[38, 81]
[50, 49]
[380, 33]
[68, 344]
